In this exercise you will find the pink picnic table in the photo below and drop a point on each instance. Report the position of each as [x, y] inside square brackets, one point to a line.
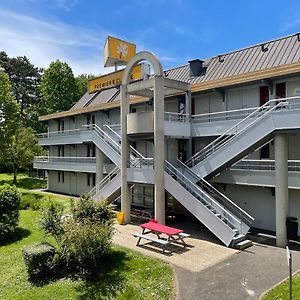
[174, 235]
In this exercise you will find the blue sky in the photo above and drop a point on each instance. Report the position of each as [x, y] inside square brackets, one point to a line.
[175, 30]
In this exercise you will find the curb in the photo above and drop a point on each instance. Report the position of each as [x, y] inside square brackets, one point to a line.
[277, 284]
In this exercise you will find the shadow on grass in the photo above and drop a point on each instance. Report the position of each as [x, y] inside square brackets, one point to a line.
[110, 281]
[18, 235]
[27, 183]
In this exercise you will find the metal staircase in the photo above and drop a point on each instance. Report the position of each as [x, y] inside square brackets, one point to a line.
[203, 196]
[246, 136]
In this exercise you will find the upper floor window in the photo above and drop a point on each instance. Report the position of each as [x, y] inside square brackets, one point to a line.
[61, 125]
[61, 150]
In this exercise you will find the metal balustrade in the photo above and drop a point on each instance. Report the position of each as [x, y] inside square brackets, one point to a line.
[272, 106]
[206, 199]
[64, 159]
[222, 115]
[228, 204]
[264, 165]
[177, 117]
[109, 177]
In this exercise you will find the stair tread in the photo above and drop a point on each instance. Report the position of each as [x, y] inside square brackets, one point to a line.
[244, 242]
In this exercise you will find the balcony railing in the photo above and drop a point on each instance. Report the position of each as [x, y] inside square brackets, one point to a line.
[64, 159]
[264, 165]
[177, 117]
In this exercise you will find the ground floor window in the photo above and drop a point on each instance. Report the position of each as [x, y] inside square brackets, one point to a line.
[91, 179]
[61, 176]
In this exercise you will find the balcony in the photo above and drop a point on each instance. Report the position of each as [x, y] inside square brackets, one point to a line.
[70, 164]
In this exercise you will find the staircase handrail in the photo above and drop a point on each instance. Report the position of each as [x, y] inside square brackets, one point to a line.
[133, 150]
[196, 190]
[104, 181]
[223, 198]
[228, 135]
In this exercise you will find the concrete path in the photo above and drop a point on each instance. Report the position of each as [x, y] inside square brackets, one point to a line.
[245, 275]
[208, 270]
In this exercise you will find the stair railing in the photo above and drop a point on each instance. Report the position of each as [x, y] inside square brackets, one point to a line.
[133, 151]
[227, 217]
[217, 195]
[239, 128]
[104, 182]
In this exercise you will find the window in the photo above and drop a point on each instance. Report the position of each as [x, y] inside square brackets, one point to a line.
[61, 125]
[88, 153]
[61, 176]
[93, 150]
[91, 179]
[61, 151]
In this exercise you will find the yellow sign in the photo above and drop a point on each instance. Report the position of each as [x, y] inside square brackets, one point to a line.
[117, 52]
[114, 78]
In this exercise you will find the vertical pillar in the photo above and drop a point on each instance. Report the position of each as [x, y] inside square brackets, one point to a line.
[99, 165]
[159, 149]
[125, 191]
[281, 188]
[188, 110]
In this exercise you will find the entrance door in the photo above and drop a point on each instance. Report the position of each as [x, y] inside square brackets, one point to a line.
[263, 95]
[280, 90]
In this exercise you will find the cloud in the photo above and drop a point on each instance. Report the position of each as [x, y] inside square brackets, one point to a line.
[66, 4]
[45, 41]
[289, 24]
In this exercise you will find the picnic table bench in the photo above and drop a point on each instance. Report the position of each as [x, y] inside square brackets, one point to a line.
[174, 235]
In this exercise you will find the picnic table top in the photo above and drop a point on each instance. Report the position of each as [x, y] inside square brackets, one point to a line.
[161, 228]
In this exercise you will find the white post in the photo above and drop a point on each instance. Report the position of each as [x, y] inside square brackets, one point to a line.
[281, 188]
[125, 191]
[99, 165]
[159, 149]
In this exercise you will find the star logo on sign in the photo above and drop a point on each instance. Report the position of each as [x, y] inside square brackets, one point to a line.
[122, 49]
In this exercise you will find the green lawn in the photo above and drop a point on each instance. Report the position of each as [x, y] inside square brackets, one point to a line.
[281, 292]
[33, 199]
[130, 276]
[24, 181]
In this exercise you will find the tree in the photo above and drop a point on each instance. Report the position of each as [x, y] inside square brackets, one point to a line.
[20, 151]
[82, 81]
[25, 79]
[58, 88]
[9, 112]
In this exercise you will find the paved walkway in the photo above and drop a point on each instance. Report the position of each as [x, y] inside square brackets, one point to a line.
[208, 270]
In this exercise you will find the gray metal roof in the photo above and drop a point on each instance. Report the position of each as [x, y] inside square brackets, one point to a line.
[278, 52]
[263, 56]
[99, 97]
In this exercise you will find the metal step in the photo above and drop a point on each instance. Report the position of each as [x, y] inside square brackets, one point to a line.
[243, 244]
[238, 238]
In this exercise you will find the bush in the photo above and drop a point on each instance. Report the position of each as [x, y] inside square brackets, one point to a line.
[9, 210]
[40, 261]
[97, 211]
[84, 245]
[51, 220]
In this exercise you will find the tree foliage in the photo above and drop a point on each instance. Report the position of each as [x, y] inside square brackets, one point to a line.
[25, 79]
[58, 88]
[9, 112]
[82, 81]
[20, 151]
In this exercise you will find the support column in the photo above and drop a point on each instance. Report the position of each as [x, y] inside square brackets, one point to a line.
[281, 188]
[125, 191]
[159, 150]
[188, 110]
[99, 165]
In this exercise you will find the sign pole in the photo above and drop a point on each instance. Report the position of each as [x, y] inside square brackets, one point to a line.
[289, 259]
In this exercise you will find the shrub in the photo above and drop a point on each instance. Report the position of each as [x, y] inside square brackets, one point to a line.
[40, 261]
[9, 210]
[84, 245]
[51, 220]
[97, 211]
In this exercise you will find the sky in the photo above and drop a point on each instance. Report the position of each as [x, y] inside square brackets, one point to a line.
[74, 31]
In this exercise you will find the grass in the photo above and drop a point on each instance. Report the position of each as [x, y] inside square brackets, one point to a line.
[129, 275]
[33, 199]
[282, 291]
[23, 181]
